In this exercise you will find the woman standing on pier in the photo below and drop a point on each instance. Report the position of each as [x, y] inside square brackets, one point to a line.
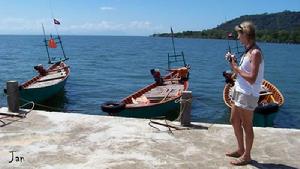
[246, 92]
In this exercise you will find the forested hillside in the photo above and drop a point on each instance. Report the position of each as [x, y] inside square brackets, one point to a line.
[282, 27]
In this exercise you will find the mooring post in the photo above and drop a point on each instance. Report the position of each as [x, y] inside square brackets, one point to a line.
[185, 107]
[12, 96]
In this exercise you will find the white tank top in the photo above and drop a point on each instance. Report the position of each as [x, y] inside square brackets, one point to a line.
[244, 86]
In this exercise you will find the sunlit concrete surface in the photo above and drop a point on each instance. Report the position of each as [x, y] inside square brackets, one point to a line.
[67, 140]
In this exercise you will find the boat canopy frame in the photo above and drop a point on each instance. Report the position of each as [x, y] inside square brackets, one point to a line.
[47, 47]
[175, 57]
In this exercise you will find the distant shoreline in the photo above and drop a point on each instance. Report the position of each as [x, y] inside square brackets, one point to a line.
[258, 40]
[281, 27]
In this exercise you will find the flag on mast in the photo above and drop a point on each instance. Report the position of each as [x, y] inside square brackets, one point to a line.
[56, 21]
[52, 43]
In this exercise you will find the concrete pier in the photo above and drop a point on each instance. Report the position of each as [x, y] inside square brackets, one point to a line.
[66, 140]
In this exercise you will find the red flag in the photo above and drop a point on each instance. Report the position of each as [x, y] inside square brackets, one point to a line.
[52, 43]
[56, 22]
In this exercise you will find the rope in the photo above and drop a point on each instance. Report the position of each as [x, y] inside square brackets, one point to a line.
[26, 112]
[170, 127]
[41, 105]
[29, 109]
[27, 102]
[50, 107]
[182, 108]
[166, 125]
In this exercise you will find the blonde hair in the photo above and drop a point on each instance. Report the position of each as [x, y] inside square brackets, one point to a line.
[246, 27]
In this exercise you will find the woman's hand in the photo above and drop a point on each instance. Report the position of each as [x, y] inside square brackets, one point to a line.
[233, 62]
[234, 66]
[255, 59]
[229, 56]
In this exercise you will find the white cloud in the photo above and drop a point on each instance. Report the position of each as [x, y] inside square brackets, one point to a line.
[133, 26]
[106, 8]
[22, 26]
[102, 25]
[25, 26]
[139, 25]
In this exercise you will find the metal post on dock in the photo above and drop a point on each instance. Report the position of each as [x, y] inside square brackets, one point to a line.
[185, 107]
[12, 96]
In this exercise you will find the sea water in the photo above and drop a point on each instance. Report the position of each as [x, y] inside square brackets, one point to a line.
[105, 68]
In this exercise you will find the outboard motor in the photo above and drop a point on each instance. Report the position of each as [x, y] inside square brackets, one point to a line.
[157, 77]
[39, 68]
[228, 77]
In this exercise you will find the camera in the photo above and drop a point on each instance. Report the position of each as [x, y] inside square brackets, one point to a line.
[229, 57]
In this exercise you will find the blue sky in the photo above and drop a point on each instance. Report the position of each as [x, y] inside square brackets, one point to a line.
[128, 17]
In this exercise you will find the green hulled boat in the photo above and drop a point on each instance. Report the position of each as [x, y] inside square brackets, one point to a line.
[157, 100]
[49, 82]
[43, 87]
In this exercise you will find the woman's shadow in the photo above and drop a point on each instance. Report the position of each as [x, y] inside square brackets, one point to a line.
[270, 165]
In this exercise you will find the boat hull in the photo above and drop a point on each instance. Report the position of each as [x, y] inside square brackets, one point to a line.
[157, 100]
[43, 87]
[264, 120]
[263, 116]
[39, 95]
[168, 110]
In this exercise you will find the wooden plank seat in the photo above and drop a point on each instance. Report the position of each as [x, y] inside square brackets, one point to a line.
[60, 75]
[163, 91]
[44, 80]
[172, 79]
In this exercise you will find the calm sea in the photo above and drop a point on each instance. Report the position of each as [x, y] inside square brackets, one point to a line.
[107, 68]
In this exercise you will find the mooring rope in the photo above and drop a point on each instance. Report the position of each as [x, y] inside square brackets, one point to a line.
[27, 102]
[50, 107]
[182, 108]
[170, 125]
[30, 108]
[166, 124]
[26, 112]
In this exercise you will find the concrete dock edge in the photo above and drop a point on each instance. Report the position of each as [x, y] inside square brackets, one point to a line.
[68, 140]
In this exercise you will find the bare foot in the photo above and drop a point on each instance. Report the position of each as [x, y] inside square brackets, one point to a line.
[241, 161]
[235, 154]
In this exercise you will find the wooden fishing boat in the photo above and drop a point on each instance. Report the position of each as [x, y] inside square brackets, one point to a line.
[157, 100]
[48, 82]
[270, 100]
[44, 86]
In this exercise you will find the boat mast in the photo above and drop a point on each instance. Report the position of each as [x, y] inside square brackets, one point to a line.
[62, 48]
[173, 41]
[59, 40]
[175, 55]
[46, 45]
[58, 37]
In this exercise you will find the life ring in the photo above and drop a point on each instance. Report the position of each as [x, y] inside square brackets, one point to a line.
[112, 107]
[266, 108]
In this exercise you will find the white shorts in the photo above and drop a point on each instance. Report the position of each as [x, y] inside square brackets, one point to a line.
[245, 101]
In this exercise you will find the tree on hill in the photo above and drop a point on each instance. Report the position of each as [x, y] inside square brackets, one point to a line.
[282, 27]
